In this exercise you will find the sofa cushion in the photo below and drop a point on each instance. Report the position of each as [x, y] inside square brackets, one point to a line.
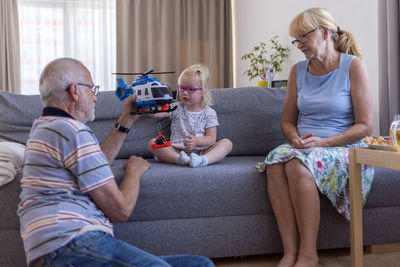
[250, 118]
[232, 187]
[17, 115]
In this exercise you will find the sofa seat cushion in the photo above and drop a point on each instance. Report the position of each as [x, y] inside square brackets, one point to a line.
[229, 188]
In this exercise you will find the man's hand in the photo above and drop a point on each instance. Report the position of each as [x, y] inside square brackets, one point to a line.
[191, 142]
[136, 166]
[117, 202]
[127, 119]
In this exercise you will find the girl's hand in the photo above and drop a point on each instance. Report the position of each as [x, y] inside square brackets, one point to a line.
[191, 142]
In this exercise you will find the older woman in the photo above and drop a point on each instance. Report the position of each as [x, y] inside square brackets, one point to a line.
[327, 110]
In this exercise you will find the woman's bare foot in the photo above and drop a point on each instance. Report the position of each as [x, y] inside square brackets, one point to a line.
[307, 262]
[288, 260]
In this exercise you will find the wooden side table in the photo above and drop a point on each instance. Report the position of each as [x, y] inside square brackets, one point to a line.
[373, 157]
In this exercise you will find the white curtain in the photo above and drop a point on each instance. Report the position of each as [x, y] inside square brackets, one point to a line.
[82, 29]
[9, 47]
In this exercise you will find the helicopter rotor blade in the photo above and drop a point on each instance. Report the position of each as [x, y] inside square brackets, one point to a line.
[147, 73]
[143, 74]
[127, 73]
[163, 72]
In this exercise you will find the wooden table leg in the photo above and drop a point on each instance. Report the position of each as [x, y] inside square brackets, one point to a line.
[356, 229]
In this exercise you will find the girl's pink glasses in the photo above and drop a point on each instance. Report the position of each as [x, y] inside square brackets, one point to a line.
[190, 90]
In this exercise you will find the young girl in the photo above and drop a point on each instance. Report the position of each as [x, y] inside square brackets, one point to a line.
[194, 124]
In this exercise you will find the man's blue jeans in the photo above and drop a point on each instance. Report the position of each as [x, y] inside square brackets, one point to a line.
[96, 248]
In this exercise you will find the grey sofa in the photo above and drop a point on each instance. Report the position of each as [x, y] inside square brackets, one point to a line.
[221, 210]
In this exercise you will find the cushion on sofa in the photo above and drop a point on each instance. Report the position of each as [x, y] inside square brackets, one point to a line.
[17, 115]
[250, 118]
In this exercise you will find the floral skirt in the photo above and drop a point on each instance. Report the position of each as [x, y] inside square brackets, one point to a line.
[330, 168]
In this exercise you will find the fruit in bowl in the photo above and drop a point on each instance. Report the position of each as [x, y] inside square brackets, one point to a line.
[380, 140]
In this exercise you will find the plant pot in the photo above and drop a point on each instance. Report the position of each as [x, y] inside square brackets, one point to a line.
[262, 83]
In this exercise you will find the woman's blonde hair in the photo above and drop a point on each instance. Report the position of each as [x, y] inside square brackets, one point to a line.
[201, 76]
[317, 17]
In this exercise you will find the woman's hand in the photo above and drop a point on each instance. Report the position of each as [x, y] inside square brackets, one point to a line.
[308, 141]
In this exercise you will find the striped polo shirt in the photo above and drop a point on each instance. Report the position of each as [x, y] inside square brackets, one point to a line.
[63, 162]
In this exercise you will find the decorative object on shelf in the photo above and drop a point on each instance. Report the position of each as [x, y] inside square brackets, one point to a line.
[394, 132]
[263, 57]
[279, 84]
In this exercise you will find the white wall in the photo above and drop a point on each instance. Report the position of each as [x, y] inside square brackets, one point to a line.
[260, 20]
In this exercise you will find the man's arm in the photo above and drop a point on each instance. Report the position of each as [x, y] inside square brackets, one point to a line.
[113, 143]
[117, 203]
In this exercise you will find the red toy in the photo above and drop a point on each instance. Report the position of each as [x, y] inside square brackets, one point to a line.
[161, 141]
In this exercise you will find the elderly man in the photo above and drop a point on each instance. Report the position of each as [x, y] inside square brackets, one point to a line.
[69, 195]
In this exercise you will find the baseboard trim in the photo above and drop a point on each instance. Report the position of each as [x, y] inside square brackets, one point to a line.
[383, 248]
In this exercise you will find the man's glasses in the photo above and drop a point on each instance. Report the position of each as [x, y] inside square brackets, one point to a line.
[95, 88]
[190, 90]
[302, 38]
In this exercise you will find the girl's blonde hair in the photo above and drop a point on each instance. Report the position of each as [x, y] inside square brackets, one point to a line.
[317, 17]
[200, 75]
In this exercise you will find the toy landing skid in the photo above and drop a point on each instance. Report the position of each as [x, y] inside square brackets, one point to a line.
[153, 110]
[161, 141]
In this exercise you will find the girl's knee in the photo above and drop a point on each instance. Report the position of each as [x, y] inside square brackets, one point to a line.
[226, 142]
[150, 143]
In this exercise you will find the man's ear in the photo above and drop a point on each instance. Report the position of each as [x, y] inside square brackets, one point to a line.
[73, 91]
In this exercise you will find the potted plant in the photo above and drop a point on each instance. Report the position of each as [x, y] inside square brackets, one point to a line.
[263, 57]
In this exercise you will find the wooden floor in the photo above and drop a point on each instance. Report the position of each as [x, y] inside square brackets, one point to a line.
[327, 258]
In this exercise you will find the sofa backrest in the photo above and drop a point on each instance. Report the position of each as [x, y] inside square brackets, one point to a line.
[17, 113]
[248, 116]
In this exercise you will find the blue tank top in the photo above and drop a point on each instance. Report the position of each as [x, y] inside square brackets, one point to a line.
[324, 102]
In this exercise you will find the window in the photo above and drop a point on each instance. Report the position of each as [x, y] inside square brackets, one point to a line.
[82, 29]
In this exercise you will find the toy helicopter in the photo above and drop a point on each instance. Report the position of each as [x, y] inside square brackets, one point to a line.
[152, 96]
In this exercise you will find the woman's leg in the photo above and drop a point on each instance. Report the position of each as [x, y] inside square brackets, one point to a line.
[306, 204]
[218, 151]
[279, 195]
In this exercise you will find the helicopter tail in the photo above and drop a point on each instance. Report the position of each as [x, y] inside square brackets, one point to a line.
[121, 83]
[123, 90]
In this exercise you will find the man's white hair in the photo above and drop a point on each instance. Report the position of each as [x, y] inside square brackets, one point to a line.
[57, 76]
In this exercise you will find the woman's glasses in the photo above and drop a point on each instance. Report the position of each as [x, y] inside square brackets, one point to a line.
[190, 90]
[302, 38]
